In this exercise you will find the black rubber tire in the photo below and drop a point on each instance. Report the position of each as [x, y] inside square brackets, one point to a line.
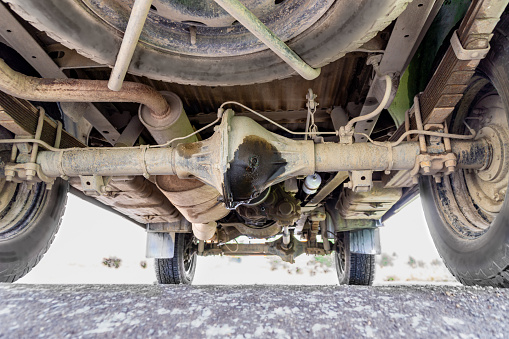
[481, 260]
[26, 241]
[362, 269]
[355, 268]
[181, 268]
[345, 27]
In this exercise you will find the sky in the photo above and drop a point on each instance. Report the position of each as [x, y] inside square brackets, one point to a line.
[89, 234]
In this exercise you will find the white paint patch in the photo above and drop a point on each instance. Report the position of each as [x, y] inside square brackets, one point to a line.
[219, 330]
[102, 327]
[6, 310]
[280, 333]
[78, 311]
[397, 315]
[176, 311]
[367, 308]
[370, 333]
[318, 327]
[453, 321]
[163, 311]
[204, 315]
[416, 320]
[282, 311]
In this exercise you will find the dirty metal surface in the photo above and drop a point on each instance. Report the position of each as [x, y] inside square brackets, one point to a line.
[21, 117]
[450, 79]
[108, 311]
[367, 205]
[332, 87]
[137, 198]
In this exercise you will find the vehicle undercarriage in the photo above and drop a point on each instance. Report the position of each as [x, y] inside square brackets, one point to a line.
[304, 123]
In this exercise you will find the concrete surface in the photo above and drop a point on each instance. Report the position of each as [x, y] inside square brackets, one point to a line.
[141, 311]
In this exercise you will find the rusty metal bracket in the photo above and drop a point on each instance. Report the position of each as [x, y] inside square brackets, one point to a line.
[408, 32]
[436, 159]
[467, 54]
[360, 181]
[92, 184]
[27, 169]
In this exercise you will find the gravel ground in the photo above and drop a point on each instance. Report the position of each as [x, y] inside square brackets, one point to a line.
[259, 311]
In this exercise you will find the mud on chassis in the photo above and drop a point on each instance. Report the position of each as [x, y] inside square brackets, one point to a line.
[194, 195]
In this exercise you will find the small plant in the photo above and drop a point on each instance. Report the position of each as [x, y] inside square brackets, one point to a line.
[143, 264]
[112, 262]
[411, 262]
[436, 262]
[325, 260]
[385, 260]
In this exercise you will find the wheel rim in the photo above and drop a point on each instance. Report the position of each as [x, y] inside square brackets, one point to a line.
[170, 23]
[341, 260]
[189, 256]
[471, 199]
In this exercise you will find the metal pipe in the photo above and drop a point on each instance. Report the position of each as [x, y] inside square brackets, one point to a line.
[74, 90]
[204, 231]
[132, 33]
[286, 236]
[118, 161]
[262, 32]
[329, 157]
[418, 122]
[381, 106]
[332, 157]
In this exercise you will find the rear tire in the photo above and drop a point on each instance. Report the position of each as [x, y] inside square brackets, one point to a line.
[181, 268]
[352, 268]
[29, 220]
[468, 212]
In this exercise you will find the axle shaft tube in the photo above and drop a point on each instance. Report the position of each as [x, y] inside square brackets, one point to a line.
[328, 157]
[331, 157]
[106, 162]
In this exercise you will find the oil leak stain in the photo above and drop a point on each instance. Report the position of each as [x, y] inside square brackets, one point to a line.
[188, 150]
[256, 162]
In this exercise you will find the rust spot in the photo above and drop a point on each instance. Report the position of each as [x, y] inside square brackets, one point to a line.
[172, 183]
[188, 150]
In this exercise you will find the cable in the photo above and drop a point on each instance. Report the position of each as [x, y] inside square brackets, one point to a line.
[429, 133]
[187, 136]
[385, 100]
[271, 121]
[54, 149]
[230, 249]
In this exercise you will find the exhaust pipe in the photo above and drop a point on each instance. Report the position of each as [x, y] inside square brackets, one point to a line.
[77, 90]
[161, 113]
